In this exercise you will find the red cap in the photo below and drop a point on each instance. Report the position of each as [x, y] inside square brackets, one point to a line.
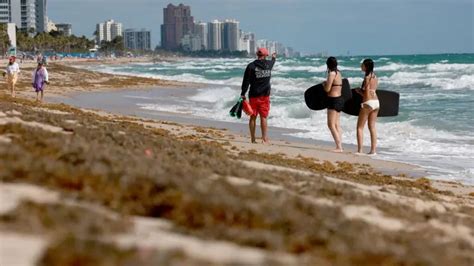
[262, 52]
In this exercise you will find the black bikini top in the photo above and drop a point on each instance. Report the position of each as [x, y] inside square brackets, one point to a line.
[336, 85]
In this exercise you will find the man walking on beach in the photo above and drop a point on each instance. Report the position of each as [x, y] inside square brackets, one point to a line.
[11, 73]
[257, 76]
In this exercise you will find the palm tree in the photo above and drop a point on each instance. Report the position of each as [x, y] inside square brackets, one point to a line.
[4, 38]
[55, 42]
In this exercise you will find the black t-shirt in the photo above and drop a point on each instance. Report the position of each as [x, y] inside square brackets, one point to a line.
[257, 76]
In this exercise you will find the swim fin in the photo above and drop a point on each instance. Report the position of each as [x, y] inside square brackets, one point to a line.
[239, 108]
[234, 110]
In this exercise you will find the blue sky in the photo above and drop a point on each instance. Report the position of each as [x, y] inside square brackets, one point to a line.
[361, 27]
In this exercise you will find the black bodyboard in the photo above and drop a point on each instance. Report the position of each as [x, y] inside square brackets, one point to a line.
[389, 103]
[317, 99]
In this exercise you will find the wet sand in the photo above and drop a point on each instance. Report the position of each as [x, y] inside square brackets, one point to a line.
[109, 189]
[122, 102]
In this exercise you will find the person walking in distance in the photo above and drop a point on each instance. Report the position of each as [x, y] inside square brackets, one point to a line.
[257, 76]
[12, 71]
[40, 79]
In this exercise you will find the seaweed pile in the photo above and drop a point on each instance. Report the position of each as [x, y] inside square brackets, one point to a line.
[135, 170]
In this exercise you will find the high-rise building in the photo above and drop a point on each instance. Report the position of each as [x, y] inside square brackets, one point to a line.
[26, 18]
[15, 13]
[108, 31]
[191, 42]
[28, 15]
[215, 35]
[177, 22]
[201, 30]
[248, 43]
[244, 45]
[252, 44]
[230, 35]
[41, 19]
[290, 52]
[51, 26]
[137, 39]
[4, 11]
[279, 48]
[116, 30]
[64, 28]
[271, 46]
[261, 44]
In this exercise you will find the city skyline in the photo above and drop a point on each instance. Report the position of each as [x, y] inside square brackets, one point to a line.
[28, 15]
[368, 27]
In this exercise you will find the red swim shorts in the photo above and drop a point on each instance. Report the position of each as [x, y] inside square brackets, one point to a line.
[260, 106]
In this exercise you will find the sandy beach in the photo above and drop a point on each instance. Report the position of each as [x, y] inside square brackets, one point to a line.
[107, 186]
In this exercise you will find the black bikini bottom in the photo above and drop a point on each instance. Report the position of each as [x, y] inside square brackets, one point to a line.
[336, 103]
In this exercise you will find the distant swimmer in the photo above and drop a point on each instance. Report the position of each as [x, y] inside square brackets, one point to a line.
[369, 108]
[257, 76]
[12, 72]
[40, 79]
[333, 87]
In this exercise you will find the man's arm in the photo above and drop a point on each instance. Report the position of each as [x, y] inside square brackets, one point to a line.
[245, 81]
[274, 56]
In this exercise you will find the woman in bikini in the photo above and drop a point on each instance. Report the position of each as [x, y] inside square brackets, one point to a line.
[369, 108]
[333, 87]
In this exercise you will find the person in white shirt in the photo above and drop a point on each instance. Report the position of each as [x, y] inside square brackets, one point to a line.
[40, 78]
[12, 72]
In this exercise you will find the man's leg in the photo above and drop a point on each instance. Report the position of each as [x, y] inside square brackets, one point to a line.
[264, 126]
[14, 80]
[264, 112]
[41, 96]
[9, 85]
[13, 89]
[252, 126]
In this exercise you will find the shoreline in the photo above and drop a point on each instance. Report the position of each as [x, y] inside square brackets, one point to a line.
[453, 166]
[281, 142]
[144, 84]
[79, 183]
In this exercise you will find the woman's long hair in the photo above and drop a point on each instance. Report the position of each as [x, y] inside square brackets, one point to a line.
[331, 63]
[369, 66]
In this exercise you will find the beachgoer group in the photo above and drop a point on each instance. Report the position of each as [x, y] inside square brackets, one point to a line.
[369, 108]
[258, 74]
[39, 80]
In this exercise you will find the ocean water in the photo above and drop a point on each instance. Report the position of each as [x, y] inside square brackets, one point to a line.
[434, 129]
